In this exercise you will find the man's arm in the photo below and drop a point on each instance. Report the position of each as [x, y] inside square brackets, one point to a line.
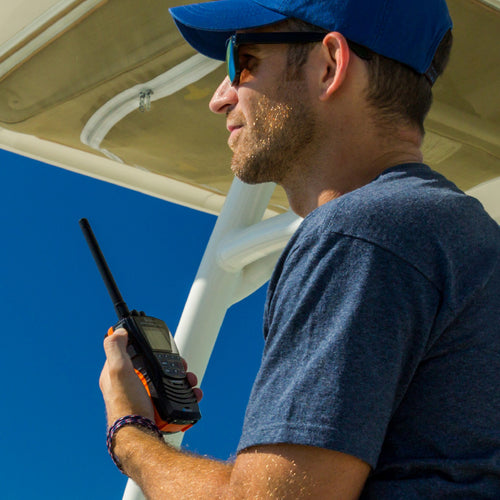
[261, 472]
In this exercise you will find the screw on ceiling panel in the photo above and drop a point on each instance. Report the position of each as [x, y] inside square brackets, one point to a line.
[145, 100]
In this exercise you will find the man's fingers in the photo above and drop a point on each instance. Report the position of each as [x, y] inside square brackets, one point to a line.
[198, 393]
[184, 364]
[193, 381]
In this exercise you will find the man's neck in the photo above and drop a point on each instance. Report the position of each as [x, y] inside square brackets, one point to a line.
[328, 176]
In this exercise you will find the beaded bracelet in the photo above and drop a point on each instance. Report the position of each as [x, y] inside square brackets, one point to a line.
[136, 420]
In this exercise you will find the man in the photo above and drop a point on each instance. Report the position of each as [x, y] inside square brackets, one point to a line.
[380, 372]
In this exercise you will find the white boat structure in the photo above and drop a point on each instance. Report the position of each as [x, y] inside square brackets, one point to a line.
[109, 89]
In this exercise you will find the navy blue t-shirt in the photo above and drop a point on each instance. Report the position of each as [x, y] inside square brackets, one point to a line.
[382, 328]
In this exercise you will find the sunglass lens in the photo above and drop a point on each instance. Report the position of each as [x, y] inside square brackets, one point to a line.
[231, 60]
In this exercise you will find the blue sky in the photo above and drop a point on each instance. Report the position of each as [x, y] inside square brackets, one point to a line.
[56, 312]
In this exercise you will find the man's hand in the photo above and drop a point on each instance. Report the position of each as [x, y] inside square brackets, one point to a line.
[123, 392]
[121, 388]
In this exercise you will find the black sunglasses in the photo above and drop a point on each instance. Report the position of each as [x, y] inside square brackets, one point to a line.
[233, 44]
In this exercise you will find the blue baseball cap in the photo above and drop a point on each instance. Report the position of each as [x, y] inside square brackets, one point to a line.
[408, 31]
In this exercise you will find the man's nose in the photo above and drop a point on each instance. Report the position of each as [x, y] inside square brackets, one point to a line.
[224, 97]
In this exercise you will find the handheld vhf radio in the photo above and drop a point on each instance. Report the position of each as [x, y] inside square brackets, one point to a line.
[153, 352]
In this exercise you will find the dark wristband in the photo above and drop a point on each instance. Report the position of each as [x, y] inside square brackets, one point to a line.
[136, 420]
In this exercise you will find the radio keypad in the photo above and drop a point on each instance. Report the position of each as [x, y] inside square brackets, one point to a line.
[171, 364]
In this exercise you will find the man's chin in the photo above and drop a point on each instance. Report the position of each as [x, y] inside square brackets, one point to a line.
[245, 173]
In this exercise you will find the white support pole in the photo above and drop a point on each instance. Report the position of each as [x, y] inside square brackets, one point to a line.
[214, 287]
[227, 273]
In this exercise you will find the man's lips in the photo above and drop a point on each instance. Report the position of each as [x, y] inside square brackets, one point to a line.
[233, 133]
[231, 128]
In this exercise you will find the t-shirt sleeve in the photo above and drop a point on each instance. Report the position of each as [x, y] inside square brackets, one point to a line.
[346, 323]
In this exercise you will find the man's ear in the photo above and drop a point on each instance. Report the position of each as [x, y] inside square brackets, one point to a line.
[335, 51]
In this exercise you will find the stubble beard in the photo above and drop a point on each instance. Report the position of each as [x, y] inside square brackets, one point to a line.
[275, 143]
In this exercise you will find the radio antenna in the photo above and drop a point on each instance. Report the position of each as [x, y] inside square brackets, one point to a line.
[118, 302]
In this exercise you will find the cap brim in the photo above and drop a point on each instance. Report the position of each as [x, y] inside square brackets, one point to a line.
[207, 26]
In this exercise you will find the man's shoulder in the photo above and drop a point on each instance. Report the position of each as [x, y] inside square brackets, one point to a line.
[400, 192]
[414, 214]
[405, 205]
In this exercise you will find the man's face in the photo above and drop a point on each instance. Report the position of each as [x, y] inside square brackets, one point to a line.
[268, 116]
